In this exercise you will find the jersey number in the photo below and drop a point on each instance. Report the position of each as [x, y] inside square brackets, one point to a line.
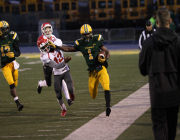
[90, 55]
[7, 48]
[58, 58]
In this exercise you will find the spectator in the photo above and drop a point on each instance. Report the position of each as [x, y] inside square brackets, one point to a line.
[160, 59]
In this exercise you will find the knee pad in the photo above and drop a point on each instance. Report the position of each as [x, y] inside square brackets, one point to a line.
[12, 86]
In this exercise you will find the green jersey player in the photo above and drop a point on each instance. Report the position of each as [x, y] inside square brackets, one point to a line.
[8, 51]
[90, 45]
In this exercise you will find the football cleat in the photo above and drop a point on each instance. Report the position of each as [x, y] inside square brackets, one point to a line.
[20, 107]
[70, 102]
[72, 96]
[39, 88]
[108, 111]
[63, 113]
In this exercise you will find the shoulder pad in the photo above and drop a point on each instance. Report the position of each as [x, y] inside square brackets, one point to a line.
[97, 37]
[13, 35]
[77, 42]
[58, 42]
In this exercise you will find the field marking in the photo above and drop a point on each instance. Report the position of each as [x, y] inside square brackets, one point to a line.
[21, 69]
[33, 62]
[123, 114]
[46, 130]
[29, 136]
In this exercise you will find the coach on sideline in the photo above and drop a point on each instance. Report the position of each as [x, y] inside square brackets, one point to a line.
[160, 60]
[146, 33]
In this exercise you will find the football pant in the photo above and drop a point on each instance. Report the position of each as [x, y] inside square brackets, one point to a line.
[10, 74]
[94, 79]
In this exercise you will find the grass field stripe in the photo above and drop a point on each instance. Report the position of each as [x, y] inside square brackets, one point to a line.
[123, 114]
[20, 136]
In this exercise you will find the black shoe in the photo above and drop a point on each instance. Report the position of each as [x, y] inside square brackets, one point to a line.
[39, 88]
[70, 102]
[20, 107]
[108, 111]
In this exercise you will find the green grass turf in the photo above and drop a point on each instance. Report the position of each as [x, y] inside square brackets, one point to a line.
[40, 118]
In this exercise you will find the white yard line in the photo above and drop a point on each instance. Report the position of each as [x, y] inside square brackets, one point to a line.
[122, 116]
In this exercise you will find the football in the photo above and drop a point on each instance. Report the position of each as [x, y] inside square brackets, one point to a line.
[102, 54]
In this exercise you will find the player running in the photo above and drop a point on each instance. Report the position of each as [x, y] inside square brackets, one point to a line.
[9, 50]
[56, 60]
[47, 30]
[90, 45]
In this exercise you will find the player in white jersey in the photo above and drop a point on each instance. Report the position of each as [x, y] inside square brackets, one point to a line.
[56, 60]
[47, 30]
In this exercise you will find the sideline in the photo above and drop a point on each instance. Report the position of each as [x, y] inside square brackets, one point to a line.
[123, 114]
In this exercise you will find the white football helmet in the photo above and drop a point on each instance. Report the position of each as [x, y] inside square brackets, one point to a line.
[43, 44]
[46, 29]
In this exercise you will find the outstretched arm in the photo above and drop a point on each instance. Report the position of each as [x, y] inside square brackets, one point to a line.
[64, 47]
[106, 51]
[67, 48]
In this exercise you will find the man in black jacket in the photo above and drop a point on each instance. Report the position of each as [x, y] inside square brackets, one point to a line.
[160, 60]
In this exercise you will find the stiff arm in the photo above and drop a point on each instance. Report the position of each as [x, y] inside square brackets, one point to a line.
[67, 48]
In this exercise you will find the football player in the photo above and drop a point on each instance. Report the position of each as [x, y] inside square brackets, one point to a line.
[9, 50]
[56, 60]
[47, 30]
[90, 45]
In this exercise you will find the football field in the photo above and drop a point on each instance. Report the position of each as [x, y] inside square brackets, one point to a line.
[40, 118]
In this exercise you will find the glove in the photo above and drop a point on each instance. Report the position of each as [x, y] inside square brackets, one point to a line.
[67, 59]
[101, 60]
[51, 44]
[10, 54]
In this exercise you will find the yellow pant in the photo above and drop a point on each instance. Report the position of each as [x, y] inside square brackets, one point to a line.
[10, 74]
[94, 79]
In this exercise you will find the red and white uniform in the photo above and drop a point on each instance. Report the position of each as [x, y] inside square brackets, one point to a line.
[56, 56]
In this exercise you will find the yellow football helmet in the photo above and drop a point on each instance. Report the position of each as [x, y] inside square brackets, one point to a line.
[4, 28]
[86, 32]
[85, 29]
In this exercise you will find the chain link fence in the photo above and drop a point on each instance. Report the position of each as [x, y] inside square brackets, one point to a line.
[69, 36]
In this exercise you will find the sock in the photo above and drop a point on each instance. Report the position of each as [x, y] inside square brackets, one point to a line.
[16, 100]
[42, 83]
[62, 105]
[65, 90]
[107, 97]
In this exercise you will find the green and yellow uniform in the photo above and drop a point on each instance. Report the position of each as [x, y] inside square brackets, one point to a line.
[97, 72]
[7, 65]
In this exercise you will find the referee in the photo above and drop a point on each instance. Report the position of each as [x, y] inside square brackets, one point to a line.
[146, 33]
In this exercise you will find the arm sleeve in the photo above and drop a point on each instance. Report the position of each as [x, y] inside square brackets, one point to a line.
[76, 44]
[17, 52]
[53, 64]
[143, 59]
[100, 39]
